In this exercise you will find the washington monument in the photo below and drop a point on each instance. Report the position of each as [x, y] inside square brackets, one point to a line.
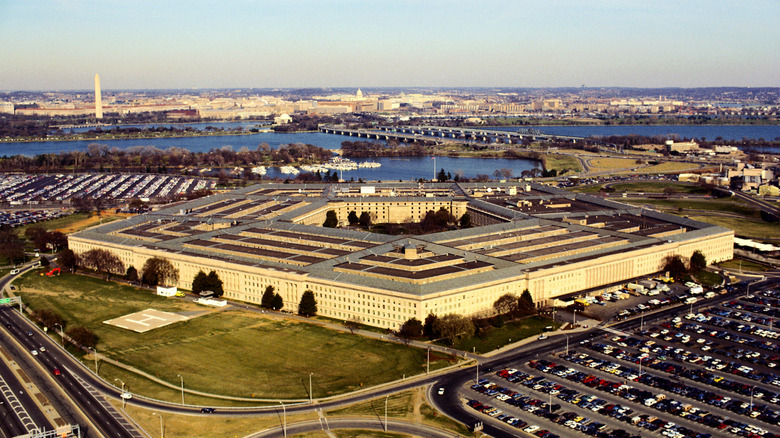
[98, 99]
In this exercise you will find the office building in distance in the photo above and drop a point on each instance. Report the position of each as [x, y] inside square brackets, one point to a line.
[523, 236]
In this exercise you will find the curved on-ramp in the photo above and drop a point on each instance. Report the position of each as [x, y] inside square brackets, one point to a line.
[396, 426]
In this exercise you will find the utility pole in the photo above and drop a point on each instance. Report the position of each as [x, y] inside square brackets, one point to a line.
[182, 387]
[284, 416]
[387, 397]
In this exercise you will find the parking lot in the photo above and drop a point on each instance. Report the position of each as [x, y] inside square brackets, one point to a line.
[36, 189]
[704, 373]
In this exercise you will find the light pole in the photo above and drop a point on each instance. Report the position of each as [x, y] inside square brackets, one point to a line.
[124, 400]
[62, 335]
[94, 350]
[387, 397]
[567, 344]
[751, 398]
[162, 431]
[311, 390]
[574, 318]
[641, 359]
[284, 417]
[428, 361]
[182, 387]
[642, 322]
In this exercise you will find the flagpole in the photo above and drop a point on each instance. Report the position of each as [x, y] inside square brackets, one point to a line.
[434, 167]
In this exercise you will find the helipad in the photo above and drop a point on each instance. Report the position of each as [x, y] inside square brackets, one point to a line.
[145, 320]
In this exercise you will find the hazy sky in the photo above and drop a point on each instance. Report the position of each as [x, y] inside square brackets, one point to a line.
[49, 45]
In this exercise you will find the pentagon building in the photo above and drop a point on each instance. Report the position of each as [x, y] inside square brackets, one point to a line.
[524, 236]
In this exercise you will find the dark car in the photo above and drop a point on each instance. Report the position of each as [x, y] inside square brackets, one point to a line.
[208, 410]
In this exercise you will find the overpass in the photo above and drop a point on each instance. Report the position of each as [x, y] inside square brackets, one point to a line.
[439, 133]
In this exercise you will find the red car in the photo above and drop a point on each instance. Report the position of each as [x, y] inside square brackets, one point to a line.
[56, 371]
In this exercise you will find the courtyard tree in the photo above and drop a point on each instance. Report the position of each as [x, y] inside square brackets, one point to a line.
[199, 282]
[353, 218]
[675, 266]
[429, 327]
[131, 274]
[526, 303]
[103, 261]
[331, 219]
[268, 297]
[698, 262]
[68, 260]
[214, 284]
[452, 326]
[365, 219]
[308, 304]
[159, 271]
[465, 220]
[277, 303]
[412, 328]
[507, 303]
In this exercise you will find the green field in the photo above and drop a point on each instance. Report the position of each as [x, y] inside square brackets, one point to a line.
[498, 337]
[562, 163]
[737, 264]
[683, 206]
[751, 228]
[261, 356]
[657, 187]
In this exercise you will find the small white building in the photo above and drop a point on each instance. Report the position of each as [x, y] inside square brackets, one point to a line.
[283, 119]
[167, 291]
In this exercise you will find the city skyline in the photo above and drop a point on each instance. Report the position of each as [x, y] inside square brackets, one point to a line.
[177, 45]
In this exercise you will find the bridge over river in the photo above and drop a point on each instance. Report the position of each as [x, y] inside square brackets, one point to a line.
[438, 133]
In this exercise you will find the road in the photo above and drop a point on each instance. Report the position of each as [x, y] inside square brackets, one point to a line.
[393, 426]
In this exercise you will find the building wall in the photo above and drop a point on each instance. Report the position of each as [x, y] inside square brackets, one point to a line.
[389, 309]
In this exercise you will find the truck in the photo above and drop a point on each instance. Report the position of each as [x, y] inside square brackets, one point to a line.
[691, 300]
[709, 295]
[53, 272]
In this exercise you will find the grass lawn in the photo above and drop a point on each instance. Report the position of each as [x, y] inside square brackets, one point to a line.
[751, 228]
[657, 187]
[747, 265]
[668, 166]
[264, 357]
[408, 405]
[590, 189]
[512, 331]
[708, 278]
[562, 163]
[680, 206]
[598, 164]
[204, 426]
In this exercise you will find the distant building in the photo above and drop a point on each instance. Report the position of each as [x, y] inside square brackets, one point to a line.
[6, 108]
[283, 119]
[98, 99]
[682, 147]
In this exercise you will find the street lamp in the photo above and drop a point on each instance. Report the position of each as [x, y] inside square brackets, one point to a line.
[96, 367]
[428, 361]
[567, 344]
[284, 416]
[182, 387]
[574, 318]
[386, 397]
[311, 390]
[751, 398]
[124, 400]
[62, 335]
[162, 431]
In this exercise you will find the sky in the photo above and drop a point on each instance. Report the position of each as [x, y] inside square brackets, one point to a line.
[145, 44]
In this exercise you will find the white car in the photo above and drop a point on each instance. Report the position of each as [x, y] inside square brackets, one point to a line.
[441, 391]
[34, 352]
[42, 349]
[541, 337]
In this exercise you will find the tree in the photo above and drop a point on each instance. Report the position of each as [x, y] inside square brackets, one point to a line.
[429, 327]
[331, 219]
[268, 297]
[277, 302]
[412, 328]
[352, 324]
[49, 319]
[353, 218]
[526, 303]
[442, 175]
[10, 247]
[132, 274]
[82, 336]
[45, 261]
[157, 270]
[308, 305]
[68, 260]
[103, 261]
[365, 219]
[675, 266]
[465, 220]
[697, 262]
[214, 284]
[507, 303]
[452, 326]
[199, 282]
